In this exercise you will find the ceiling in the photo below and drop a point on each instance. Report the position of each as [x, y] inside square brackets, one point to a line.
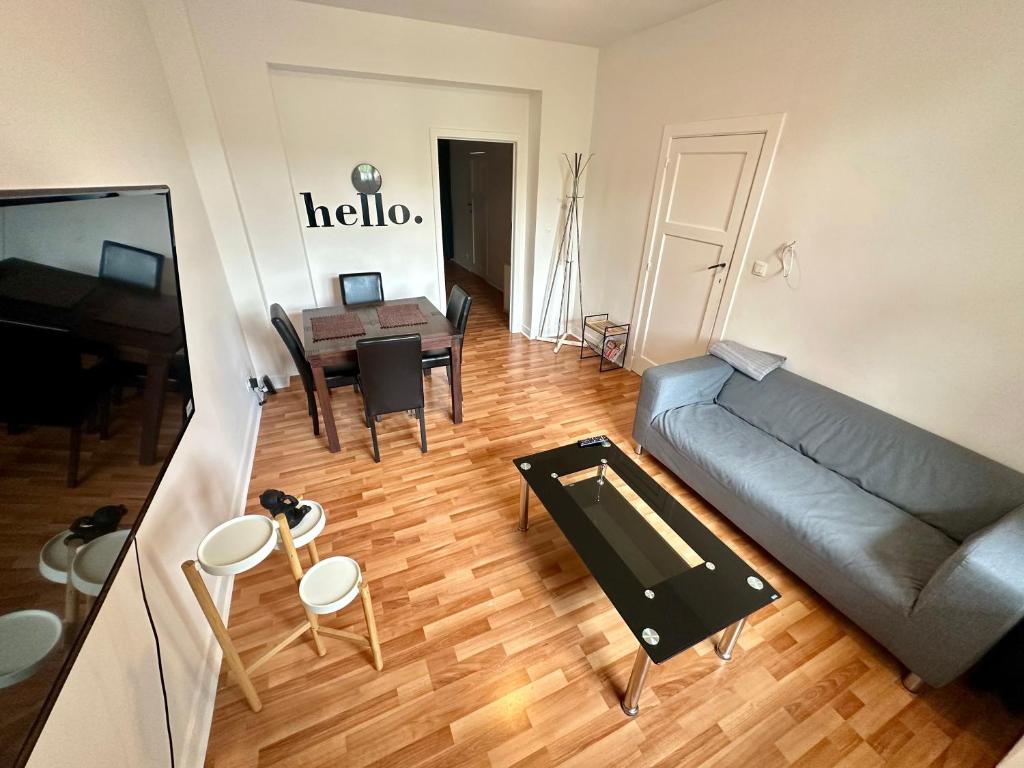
[584, 22]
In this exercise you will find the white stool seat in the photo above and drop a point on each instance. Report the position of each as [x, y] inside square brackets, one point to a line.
[311, 525]
[237, 545]
[330, 585]
[26, 639]
[94, 560]
[53, 559]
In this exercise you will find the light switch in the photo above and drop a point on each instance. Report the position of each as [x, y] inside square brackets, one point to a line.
[760, 268]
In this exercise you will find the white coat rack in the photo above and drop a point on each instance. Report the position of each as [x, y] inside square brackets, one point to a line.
[567, 262]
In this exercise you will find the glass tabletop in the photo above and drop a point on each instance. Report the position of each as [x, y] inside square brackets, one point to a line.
[671, 580]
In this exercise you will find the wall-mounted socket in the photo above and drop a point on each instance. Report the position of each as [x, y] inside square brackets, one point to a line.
[253, 385]
[760, 268]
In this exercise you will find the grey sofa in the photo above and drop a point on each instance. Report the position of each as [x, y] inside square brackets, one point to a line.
[918, 540]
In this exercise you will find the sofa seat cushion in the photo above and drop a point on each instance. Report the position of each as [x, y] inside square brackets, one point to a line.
[942, 484]
[876, 546]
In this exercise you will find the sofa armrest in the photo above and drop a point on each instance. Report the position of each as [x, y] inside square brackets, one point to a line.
[696, 380]
[973, 599]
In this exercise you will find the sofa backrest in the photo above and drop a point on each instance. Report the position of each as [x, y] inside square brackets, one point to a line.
[941, 483]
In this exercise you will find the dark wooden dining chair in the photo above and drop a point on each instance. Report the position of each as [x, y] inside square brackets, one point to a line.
[390, 380]
[457, 312]
[134, 268]
[361, 288]
[338, 376]
[53, 388]
[130, 265]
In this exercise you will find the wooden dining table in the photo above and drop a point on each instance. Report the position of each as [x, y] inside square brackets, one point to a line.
[436, 333]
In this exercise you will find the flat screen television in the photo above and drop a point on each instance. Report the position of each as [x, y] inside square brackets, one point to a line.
[95, 395]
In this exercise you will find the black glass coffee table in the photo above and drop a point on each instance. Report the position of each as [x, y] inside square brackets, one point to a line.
[672, 581]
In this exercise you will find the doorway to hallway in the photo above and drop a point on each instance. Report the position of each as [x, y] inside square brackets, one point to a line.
[476, 182]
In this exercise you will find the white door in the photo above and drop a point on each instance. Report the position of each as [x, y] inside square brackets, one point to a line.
[478, 210]
[698, 211]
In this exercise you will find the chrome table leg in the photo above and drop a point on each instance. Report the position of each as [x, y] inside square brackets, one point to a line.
[631, 700]
[727, 642]
[913, 683]
[524, 504]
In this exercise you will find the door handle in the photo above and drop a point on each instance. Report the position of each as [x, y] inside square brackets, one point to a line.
[718, 266]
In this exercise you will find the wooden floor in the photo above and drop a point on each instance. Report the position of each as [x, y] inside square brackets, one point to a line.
[499, 648]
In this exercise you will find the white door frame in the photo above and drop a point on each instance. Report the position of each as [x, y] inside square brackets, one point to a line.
[520, 153]
[771, 127]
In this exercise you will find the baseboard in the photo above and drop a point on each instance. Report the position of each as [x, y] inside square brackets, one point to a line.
[526, 331]
[197, 734]
[468, 266]
[280, 382]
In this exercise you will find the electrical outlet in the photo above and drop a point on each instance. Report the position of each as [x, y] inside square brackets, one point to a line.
[255, 387]
[760, 268]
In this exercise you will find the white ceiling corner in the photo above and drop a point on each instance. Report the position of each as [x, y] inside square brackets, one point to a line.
[583, 22]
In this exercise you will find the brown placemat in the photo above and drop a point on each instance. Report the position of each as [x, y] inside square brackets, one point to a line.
[398, 315]
[337, 326]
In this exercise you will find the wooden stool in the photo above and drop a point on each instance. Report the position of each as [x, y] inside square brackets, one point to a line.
[304, 534]
[55, 560]
[27, 638]
[91, 564]
[332, 584]
[81, 568]
[234, 547]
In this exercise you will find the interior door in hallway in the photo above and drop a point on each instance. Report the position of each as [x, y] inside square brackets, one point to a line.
[698, 210]
[478, 209]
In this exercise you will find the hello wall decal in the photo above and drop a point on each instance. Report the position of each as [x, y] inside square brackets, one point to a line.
[366, 180]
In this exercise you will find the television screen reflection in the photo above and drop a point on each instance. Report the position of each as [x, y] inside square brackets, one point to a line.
[94, 397]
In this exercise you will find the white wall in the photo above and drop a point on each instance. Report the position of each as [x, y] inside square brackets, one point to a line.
[86, 104]
[172, 31]
[239, 40]
[1015, 757]
[899, 172]
[330, 123]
